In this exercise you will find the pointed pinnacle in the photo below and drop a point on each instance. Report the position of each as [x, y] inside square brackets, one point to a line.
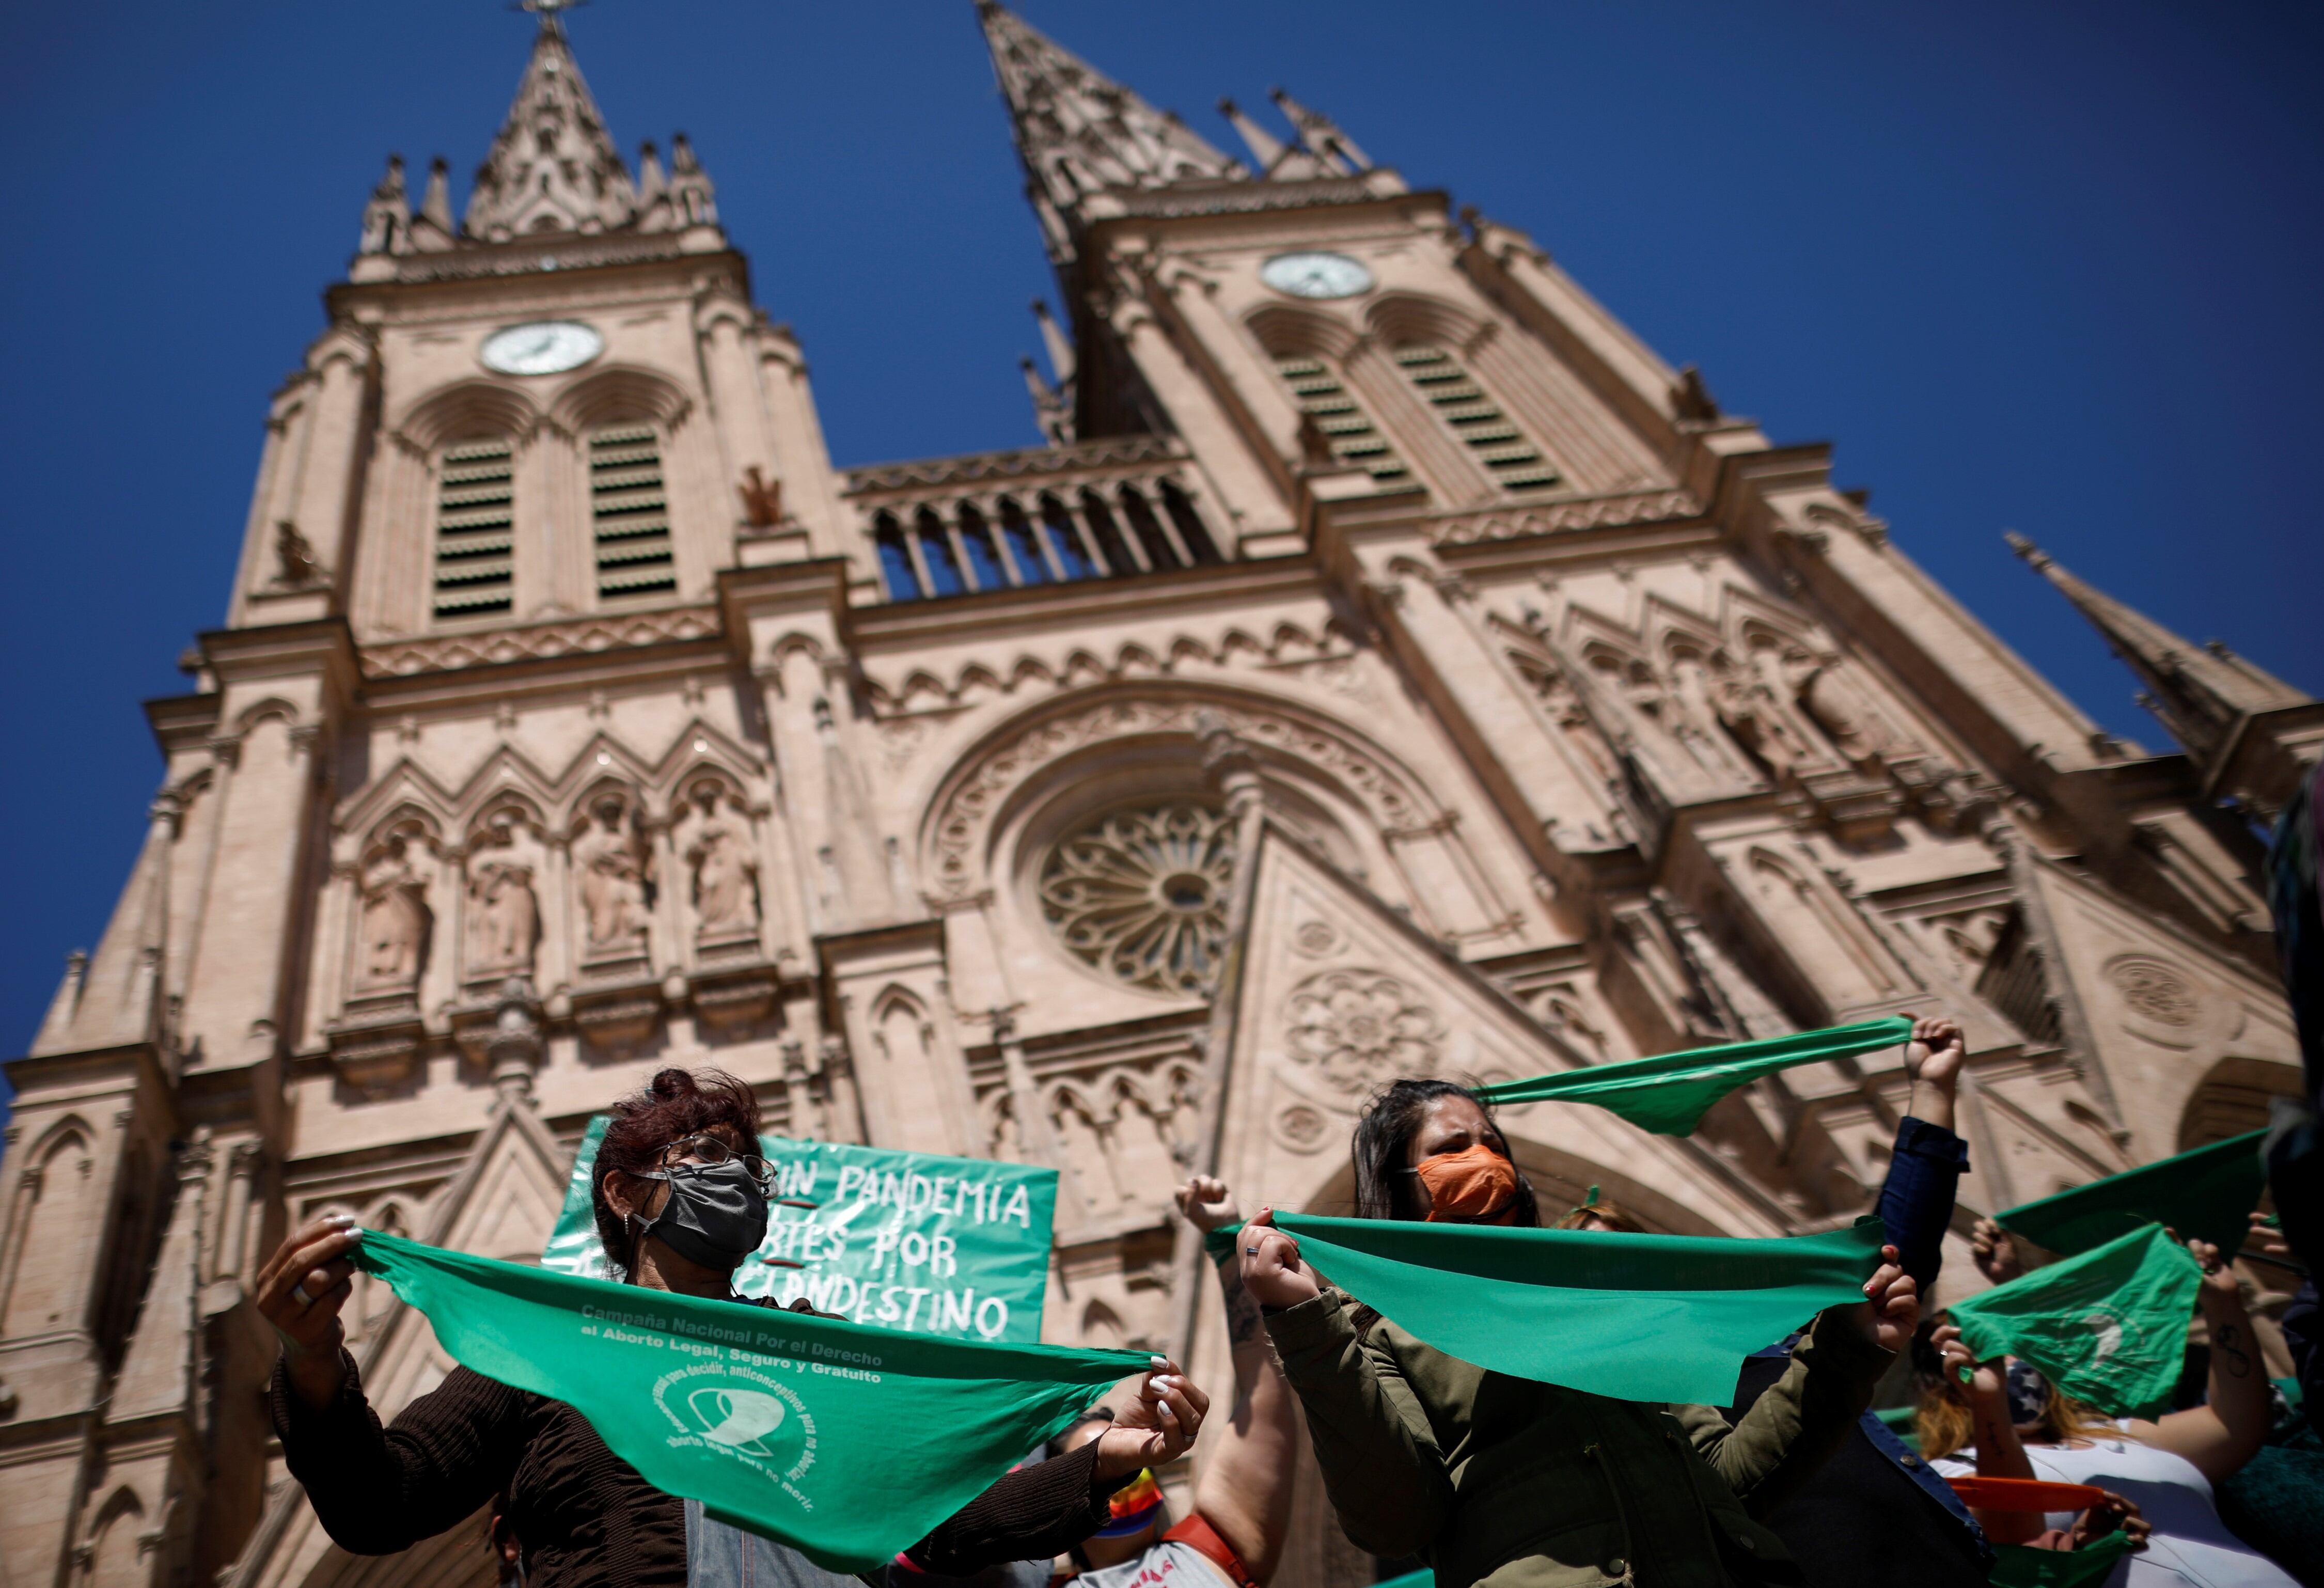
[1266, 151]
[2035, 558]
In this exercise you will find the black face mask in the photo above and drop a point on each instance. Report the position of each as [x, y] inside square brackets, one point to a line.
[716, 1214]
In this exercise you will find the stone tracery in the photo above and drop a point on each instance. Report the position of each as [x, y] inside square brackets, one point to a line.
[1361, 1029]
[1142, 894]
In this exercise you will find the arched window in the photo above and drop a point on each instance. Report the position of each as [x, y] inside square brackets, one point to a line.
[935, 556]
[630, 513]
[984, 557]
[1107, 533]
[1024, 544]
[1511, 460]
[1159, 552]
[895, 559]
[476, 529]
[1342, 421]
[1065, 540]
[1190, 528]
[55, 1205]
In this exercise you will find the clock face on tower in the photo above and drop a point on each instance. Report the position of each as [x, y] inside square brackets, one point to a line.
[1315, 275]
[544, 347]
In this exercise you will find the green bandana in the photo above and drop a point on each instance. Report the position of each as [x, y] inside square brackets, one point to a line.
[1636, 1317]
[2021, 1565]
[2108, 1326]
[2206, 1195]
[846, 1443]
[1669, 1094]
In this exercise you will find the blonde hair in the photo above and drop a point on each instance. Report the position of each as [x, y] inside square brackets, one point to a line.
[1945, 1427]
[1609, 1214]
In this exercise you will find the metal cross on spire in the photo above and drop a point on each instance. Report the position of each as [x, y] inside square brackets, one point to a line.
[548, 10]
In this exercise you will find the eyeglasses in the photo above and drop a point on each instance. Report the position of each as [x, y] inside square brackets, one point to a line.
[713, 1149]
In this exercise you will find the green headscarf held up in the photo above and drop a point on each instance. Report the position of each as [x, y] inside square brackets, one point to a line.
[1670, 1092]
[778, 1422]
[1636, 1317]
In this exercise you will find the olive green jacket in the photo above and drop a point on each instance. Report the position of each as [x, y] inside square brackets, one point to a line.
[1513, 1483]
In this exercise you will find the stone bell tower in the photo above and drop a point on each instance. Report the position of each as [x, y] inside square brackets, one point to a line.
[1389, 665]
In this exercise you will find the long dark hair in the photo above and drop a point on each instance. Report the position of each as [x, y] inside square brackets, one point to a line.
[676, 1103]
[1383, 1142]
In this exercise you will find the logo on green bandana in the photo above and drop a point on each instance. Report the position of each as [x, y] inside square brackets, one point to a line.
[2114, 1331]
[751, 1416]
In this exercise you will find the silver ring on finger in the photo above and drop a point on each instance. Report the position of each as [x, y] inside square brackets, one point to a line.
[298, 1294]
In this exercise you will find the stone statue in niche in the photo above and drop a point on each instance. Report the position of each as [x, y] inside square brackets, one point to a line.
[1753, 707]
[1844, 709]
[716, 845]
[395, 918]
[1688, 711]
[1573, 720]
[1752, 722]
[503, 912]
[614, 880]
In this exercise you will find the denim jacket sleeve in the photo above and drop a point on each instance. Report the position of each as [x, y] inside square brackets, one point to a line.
[1916, 1203]
[1792, 1429]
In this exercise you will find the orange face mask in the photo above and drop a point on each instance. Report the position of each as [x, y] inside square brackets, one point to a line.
[1474, 1184]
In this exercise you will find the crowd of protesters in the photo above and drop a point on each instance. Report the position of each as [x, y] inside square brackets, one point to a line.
[1483, 1477]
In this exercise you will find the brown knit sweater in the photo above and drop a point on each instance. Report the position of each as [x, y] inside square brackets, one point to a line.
[584, 1514]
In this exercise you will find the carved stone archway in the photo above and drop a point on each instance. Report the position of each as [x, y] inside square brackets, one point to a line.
[978, 797]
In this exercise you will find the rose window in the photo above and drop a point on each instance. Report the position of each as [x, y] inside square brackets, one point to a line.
[1142, 895]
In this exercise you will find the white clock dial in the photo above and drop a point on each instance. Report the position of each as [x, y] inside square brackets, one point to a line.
[544, 347]
[1315, 275]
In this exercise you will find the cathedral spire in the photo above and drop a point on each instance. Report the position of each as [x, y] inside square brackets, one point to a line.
[553, 168]
[2206, 695]
[1079, 133]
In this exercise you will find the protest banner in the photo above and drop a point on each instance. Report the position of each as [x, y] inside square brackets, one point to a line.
[909, 1241]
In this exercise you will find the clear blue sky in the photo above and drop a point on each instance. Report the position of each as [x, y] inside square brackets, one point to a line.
[2048, 267]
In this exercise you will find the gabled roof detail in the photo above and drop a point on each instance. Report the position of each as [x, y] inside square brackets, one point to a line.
[1335, 992]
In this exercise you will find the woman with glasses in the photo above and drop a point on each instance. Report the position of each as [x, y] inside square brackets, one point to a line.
[680, 1201]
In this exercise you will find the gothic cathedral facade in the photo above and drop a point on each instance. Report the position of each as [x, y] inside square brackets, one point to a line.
[1391, 666]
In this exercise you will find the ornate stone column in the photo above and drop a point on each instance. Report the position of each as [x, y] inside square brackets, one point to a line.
[513, 1053]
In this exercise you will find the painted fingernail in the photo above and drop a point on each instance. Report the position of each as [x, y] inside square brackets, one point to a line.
[1160, 1361]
